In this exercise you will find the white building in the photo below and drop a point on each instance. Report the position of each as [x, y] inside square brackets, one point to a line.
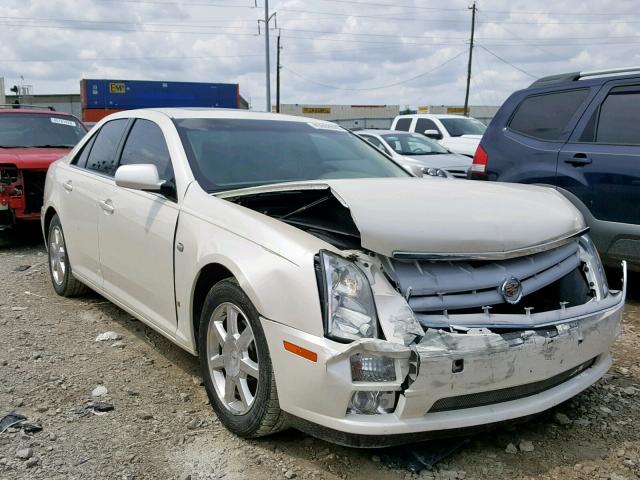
[349, 116]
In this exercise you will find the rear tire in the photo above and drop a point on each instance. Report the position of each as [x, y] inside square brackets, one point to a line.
[235, 363]
[62, 279]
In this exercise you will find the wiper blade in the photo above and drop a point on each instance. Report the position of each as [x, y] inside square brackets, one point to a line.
[51, 146]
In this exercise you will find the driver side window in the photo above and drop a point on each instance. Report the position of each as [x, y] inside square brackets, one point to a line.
[146, 144]
[425, 124]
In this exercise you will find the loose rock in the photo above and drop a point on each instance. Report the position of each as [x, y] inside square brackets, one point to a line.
[107, 336]
[526, 446]
[561, 419]
[24, 453]
[99, 391]
[511, 448]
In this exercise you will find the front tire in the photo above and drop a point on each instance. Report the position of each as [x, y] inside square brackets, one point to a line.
[235, 363]
[62, 279]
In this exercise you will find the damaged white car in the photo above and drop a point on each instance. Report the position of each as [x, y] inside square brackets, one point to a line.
[324, 287]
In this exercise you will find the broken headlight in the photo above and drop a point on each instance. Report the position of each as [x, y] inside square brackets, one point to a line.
[350, 312]
[595, 270]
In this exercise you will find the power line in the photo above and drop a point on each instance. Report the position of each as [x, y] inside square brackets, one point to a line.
[379, 87]
[395, 5]
[507, 62]
[188, 4]
[461, 20]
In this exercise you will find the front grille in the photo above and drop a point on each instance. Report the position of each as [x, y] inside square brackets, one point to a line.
[457, 172]
[507, 394]
[434, 287]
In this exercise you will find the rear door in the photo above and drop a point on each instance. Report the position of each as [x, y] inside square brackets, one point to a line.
[136, 231]
[601, 162]
[526, 150]
[83, 181]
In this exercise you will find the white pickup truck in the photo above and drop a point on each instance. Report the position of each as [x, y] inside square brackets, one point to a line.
[455, 132]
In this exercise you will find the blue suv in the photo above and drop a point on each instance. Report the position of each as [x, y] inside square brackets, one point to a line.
[579, 133]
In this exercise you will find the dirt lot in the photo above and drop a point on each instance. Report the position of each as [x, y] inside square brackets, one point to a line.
[162, 426]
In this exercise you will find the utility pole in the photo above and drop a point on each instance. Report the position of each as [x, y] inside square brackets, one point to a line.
[278, 76]
[267, 57]
[473, 27]
[266, 53]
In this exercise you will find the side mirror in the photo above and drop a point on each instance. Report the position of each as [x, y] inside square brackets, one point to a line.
[434, 134]
[414, 170]
[139, 177]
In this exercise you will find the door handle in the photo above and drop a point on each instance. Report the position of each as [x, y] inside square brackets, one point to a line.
[68, 186]
[106, 205]
[578, 160]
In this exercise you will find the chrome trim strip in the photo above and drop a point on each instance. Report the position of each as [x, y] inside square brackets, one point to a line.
[610, 71]
[520, 252]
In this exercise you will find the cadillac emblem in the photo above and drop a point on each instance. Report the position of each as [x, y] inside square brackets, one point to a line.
[511, 290]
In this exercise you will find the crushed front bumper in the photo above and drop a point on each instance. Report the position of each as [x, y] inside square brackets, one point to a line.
[448, 381]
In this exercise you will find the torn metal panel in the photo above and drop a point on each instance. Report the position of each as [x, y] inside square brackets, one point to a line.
[453, 364]
[396, 317]
[317, 211]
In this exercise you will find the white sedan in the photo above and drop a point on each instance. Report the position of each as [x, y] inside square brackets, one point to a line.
[413, 149]
[324, 287]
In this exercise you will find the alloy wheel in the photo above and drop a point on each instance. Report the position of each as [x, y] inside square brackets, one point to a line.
[232, 358]
[57, 255]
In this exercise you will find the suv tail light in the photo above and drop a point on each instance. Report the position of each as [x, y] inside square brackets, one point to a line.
[479, 166]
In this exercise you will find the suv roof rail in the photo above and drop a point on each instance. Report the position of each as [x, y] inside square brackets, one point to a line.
[20, 105]
[573, 76]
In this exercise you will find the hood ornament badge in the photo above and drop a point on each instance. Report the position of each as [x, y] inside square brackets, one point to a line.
[511, 290]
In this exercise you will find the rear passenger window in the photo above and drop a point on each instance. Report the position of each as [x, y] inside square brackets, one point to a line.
[102, 157]
[403, 124]
[620, 117]
[81, 158]
[374, 141]
[145, 144]
[546, 116]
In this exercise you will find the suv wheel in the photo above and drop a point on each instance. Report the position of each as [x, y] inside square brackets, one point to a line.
[235, 363]
[62, 279]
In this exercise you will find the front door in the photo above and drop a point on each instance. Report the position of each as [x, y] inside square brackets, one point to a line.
[137, 231]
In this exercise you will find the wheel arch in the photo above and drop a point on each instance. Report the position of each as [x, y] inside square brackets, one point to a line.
[48, 216]
[207, 277]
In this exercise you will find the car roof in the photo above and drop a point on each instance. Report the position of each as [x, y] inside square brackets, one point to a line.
[431, 115]
[226, 113]
[374, 131]
[594, 76]
[37, 111]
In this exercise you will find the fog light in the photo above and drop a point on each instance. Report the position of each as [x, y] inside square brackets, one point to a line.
[372, 403]
[368, 368]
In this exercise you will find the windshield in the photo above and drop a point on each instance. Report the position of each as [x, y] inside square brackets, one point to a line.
[38, 130]
[411, 144]
[234, 153]
[463, 126]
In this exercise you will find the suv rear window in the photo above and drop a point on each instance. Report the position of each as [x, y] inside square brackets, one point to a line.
[403, 124]
[546, 116]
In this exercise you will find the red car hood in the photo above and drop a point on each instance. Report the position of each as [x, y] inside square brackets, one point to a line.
[31, 158]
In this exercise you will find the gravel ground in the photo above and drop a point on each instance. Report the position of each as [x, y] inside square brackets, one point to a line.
[162, 426]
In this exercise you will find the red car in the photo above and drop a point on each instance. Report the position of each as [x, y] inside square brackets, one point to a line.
[30, 140]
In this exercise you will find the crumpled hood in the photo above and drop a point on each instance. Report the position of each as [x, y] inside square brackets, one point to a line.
[31, 158]
[434, 215]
